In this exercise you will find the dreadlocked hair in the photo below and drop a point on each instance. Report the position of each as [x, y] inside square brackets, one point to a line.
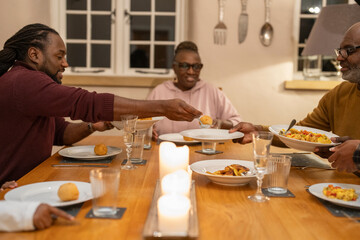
[186, 46]
[16, 47]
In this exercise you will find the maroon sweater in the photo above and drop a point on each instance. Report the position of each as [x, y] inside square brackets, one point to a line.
[32, 107]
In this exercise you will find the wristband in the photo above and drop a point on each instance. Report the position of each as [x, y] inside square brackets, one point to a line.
[90, 127]
[356, 157]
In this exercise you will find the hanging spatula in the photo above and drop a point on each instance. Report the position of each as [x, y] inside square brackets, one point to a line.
[243, 22]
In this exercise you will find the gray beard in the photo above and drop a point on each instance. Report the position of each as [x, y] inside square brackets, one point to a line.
[352, 75]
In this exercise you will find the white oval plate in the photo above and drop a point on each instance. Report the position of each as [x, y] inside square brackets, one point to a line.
[317, 189]
[299, 144]
[140, 124]
[87, 152]
[175, 138]
[201, 167]
[46, 192]
[211, 135]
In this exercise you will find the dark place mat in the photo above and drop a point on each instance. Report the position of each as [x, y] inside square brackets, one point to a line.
[216, 152]
[73, 210]
[73, 160]
[339, 211]
[270, 194]
[143, 162]
[308, 160]
[119, 213]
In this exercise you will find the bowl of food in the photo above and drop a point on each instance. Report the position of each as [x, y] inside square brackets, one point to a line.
[303, 138]
[226, 172]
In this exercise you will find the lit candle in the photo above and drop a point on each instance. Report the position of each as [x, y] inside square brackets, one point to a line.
[177, 182]
[172, 158]
[173, 214]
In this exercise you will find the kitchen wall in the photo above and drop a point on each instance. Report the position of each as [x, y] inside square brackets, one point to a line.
[251, 75]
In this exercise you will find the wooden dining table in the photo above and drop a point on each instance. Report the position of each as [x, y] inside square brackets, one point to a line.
[224, 212]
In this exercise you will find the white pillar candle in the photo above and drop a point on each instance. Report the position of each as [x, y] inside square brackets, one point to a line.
[172, 158]
[173, 214]
[177, 182]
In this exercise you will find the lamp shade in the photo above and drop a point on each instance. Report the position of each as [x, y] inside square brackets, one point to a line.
[330, 27]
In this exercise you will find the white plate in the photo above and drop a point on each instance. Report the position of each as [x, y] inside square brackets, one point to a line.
[176, 138]
[317, 189]
[219, 164]
[299, 144]
[87, 152]
[140, 124]
[211, 135]
[46, 192]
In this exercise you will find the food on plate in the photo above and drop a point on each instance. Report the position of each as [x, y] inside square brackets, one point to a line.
[68, 192]
[340, 193]
[142, 119]
[205, 119]
[232, 170]
[100, 149]
[188, 138]
[305, 135]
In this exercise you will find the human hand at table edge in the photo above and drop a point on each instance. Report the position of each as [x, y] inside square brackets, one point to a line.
[10, 184]
[325, 152]
[342, 157]
[44, 216]
[247, 129]
[102, 126]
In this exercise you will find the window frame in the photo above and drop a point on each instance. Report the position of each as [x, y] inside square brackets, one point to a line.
[120, 59]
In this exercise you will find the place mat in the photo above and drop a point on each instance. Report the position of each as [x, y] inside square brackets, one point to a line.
[119, 213]
[270, 194]
[142, 162]
[74, 160]
[339, 211]
[216, 152]
[308, 160]
[73, 210]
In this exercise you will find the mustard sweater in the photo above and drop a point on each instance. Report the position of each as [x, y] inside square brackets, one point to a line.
[338, 111]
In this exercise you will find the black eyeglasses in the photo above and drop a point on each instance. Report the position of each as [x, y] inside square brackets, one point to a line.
[345, 52]
[186, 66]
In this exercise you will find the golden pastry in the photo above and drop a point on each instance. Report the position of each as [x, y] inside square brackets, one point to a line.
[68, 192]
[188, 138]
[205, 119]
[100, 149]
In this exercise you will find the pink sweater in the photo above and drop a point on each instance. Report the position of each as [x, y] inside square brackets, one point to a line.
[32, 107]
[203, 96]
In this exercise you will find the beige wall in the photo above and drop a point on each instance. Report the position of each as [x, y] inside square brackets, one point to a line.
[251, 75]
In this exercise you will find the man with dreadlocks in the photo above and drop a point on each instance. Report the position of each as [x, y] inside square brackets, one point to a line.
[33, 102]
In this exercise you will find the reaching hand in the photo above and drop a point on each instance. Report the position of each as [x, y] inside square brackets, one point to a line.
[10, 184]
[324, 152]
[43, 216]
[247, 129]
[102, 126]
[178, 110]
[342, 159]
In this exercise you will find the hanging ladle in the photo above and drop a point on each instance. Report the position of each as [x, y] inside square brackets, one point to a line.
[266, 32]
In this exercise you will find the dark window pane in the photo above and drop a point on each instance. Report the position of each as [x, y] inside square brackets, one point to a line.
[76, 54]
[300, 60]
[310, 6]
[76, 4]
[100, 55]
[331, 2]
[140, 28]
[165, 6]
[139, 57]
[101, 5]
[101, 27]
[75, 26]
[140, 5]
[163, 56]
[164, 28]
[305, 28]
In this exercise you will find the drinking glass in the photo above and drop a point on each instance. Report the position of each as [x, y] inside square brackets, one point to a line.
[261, 145]
[129, 123]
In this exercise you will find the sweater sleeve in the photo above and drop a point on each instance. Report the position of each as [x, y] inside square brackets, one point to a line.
[60, 126]
[17, 216]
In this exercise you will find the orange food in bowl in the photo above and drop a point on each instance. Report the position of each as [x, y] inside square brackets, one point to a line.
[205, 119]
[100, 149]
[188, 138]
[68, 192]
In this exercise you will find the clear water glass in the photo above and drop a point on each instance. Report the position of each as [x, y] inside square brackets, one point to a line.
[261, 148]
[129, 123]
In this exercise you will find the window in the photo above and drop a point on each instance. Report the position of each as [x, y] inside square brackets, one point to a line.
[306, 13]
[120, 37]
